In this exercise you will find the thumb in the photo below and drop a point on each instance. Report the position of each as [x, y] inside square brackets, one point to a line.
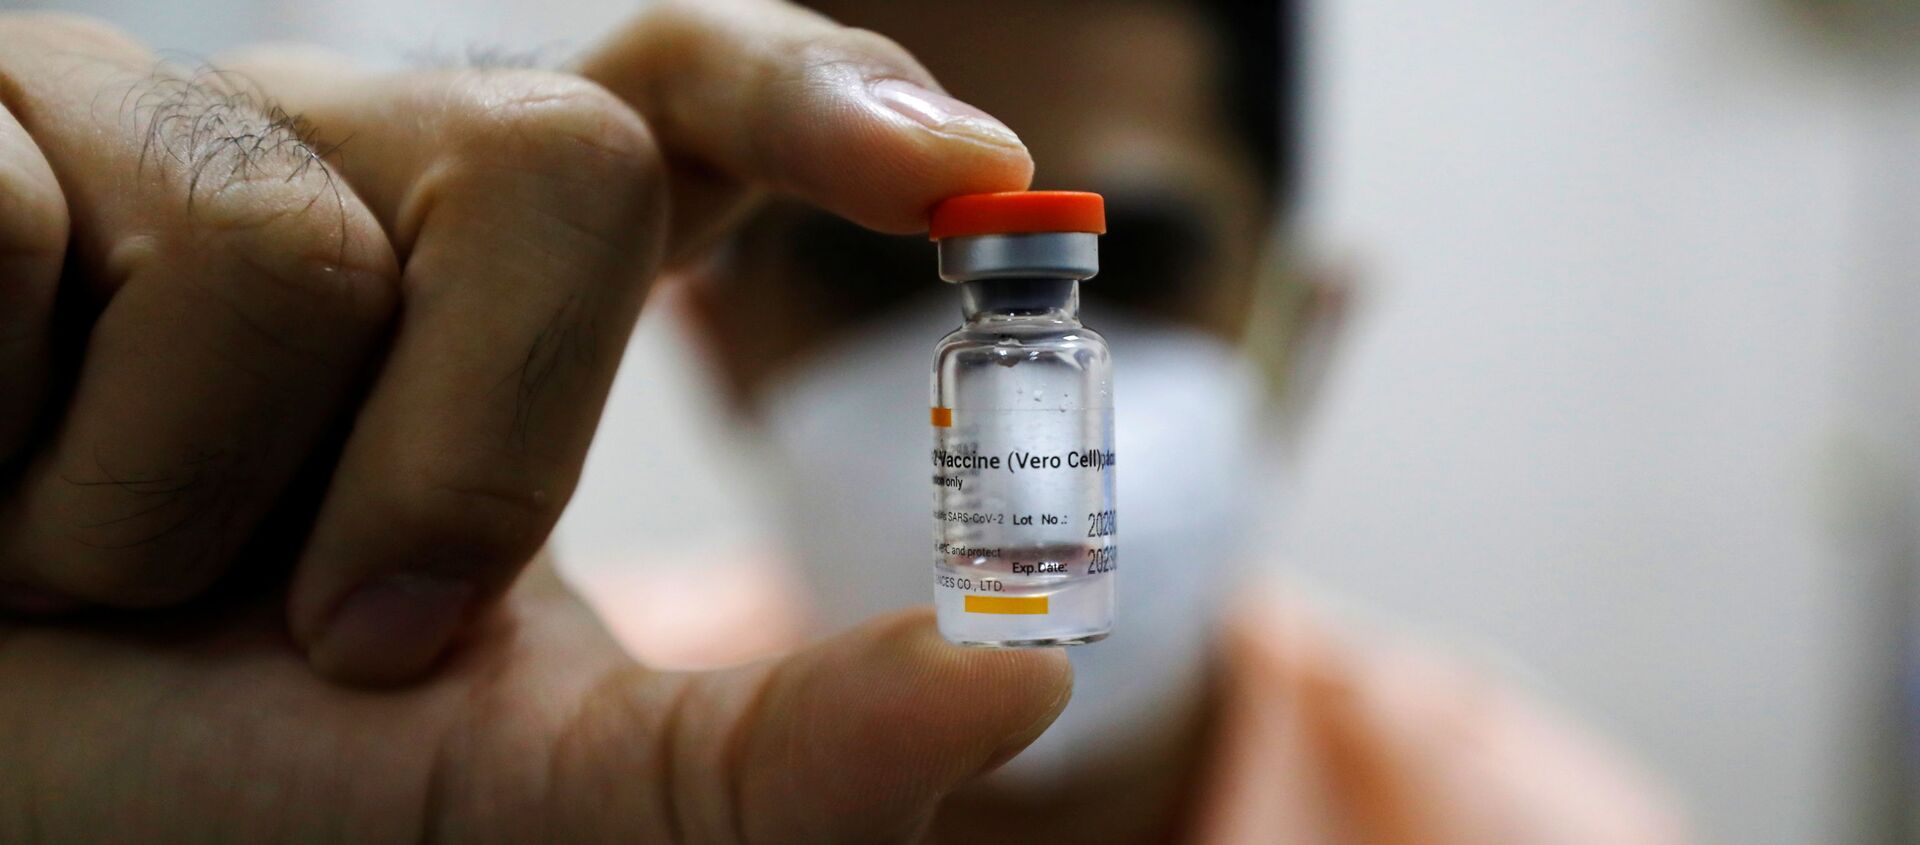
[855, 739]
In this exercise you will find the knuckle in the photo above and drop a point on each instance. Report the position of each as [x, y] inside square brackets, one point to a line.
[259, 197]
[335, 260]
[664, 31]
[538, 118]
[246, 170]
[570, 150]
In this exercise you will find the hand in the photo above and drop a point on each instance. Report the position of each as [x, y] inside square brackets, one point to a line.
[224, 341]
[201, 725]
[222, 349]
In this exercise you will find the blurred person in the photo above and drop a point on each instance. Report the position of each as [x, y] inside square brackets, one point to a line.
[1180, 114]
[256, 390]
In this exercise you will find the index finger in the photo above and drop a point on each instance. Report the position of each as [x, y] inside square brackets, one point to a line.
[750, 95]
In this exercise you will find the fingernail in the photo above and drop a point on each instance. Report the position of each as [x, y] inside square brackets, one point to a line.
[391, 629]
[942, 113]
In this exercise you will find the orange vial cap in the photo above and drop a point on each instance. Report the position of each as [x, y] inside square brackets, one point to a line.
[1018, 213]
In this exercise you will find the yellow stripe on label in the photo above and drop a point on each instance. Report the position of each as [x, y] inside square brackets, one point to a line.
[943, 418]
[1018, 605]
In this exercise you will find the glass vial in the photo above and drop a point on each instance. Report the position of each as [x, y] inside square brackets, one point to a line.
[1023, 458]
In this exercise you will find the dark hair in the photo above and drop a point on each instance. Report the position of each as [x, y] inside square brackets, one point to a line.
[1261, 77]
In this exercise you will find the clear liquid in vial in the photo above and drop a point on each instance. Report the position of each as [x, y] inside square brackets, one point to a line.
[1024, 545]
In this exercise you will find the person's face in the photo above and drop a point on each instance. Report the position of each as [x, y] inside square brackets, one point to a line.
[1122, 98]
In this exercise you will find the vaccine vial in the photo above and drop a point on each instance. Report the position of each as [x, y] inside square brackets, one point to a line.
[1023, 459]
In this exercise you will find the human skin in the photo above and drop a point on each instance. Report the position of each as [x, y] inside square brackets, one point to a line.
[203, 724]
[282, 422]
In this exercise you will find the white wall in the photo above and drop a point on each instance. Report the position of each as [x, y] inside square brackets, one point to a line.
[1605, 398]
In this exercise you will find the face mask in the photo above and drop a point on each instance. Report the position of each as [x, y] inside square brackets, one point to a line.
[849, 435]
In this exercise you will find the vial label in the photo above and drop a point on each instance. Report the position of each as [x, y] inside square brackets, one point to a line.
[1024, 525]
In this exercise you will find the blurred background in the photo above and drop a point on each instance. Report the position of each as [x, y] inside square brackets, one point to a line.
[1624, 402]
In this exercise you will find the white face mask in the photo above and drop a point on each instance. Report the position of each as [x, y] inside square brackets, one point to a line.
[849, 436]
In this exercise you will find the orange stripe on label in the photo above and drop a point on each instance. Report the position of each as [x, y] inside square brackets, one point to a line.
[1016, 605]
[943, 418]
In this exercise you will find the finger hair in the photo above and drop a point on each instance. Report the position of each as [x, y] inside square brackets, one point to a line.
[215, 128]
